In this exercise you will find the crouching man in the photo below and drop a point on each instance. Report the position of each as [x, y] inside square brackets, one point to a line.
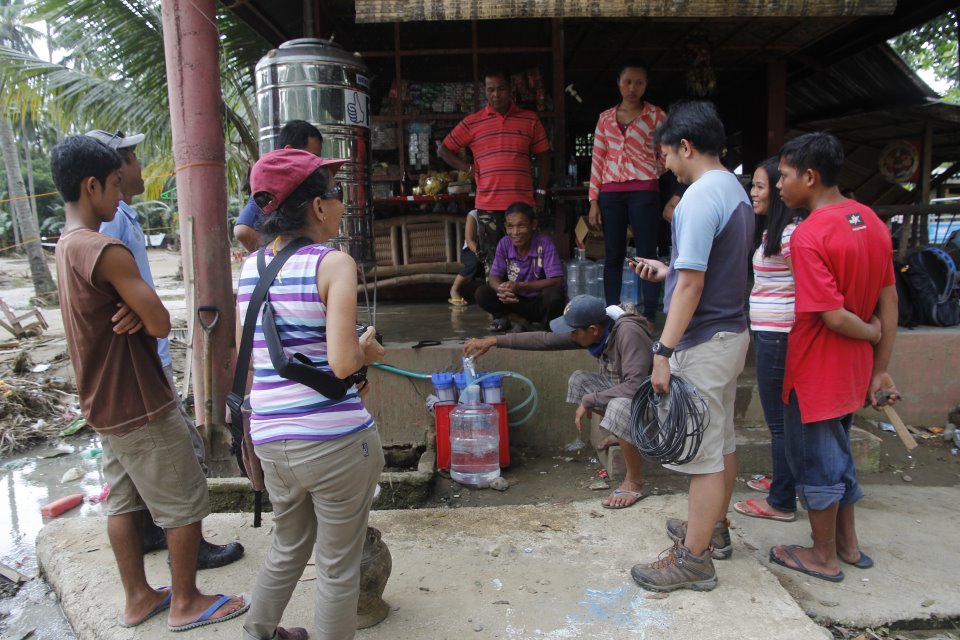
[621, 344]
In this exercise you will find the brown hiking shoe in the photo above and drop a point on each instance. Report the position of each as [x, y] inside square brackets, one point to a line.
[293, 633]
[720, 544]
[677, 568]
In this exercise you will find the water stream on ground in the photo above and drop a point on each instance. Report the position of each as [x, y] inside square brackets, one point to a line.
[28, 481]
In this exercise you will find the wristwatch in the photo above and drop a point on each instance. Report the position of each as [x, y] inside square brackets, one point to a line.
[660, 349]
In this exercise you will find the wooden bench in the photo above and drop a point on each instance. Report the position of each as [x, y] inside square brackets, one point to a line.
[417, 249]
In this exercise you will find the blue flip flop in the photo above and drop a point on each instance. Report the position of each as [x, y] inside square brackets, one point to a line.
[865, 561]
[163, 606]
[800, 566]
[205, 618]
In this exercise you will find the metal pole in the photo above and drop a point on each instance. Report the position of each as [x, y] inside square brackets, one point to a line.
[191, 51]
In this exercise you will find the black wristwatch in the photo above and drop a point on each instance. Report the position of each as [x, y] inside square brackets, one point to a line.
[660, 349]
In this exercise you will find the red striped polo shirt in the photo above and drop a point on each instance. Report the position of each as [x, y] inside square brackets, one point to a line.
[501, 147]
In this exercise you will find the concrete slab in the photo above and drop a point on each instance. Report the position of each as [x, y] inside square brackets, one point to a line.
[909, 531]
[543, 571]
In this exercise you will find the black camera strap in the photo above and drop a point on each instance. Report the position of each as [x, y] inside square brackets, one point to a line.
[297, 367]
[241, 373]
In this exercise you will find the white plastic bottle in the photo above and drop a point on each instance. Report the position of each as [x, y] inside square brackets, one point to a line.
[474, 441]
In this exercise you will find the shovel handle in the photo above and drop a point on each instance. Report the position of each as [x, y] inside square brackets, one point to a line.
[208, 309]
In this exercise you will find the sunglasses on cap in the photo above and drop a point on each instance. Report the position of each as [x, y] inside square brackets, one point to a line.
[335, 192]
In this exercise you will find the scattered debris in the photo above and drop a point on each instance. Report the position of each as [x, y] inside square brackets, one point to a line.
[598, 485]
[101, 496]
[57, 507]
[927, 603]
[72, 474]
[907, 478]
[500, 484]
[29, 413]
[501, 602]
[886, 426]
[49, 454]
[12, 574]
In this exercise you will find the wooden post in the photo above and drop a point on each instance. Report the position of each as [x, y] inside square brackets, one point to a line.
[926, 168]
[191, 44]
[559, 100]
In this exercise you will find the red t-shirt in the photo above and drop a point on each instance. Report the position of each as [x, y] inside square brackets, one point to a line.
[501, 147]
[842, 257]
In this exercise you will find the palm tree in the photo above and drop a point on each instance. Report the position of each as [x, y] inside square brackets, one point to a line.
[14, 35]
[115, 77]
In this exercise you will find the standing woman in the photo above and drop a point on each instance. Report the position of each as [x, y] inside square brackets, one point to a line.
[624, 182]
[321, 457]
[771, 318]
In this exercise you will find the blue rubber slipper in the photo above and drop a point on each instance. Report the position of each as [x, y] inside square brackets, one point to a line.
[205, 618]
[800, 566]
[163, 606]
[865, 561]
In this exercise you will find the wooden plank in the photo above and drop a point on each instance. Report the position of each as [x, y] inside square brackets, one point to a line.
[12, 574]
[429, 10]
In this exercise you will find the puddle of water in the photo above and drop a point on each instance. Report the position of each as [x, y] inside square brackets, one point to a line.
[27, 482]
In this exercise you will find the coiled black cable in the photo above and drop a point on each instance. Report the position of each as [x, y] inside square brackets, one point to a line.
[675, 438]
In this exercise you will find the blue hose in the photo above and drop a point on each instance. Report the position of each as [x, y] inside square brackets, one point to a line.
[402, 372]
[533, 397]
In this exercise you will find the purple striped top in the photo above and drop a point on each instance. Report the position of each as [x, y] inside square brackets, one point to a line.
[284, 409]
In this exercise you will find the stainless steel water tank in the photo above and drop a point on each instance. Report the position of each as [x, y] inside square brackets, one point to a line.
[318, 81]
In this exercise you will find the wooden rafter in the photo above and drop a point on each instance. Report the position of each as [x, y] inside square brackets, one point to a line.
[427, 10]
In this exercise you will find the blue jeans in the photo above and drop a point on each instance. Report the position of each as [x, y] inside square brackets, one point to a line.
[820, 459]
[771, 351]
[642, 210]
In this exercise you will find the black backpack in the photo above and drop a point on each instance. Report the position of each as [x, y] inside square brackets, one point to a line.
[926, 285]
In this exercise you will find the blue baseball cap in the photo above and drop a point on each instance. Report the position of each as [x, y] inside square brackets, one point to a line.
[580, 312]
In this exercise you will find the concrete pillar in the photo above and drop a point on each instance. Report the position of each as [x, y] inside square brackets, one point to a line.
[190, 41]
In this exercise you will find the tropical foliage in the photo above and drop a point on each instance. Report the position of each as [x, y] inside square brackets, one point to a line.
[934, 47]
[113, 76]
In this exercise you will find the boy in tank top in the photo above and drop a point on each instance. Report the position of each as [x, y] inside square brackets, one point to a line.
[148, 458]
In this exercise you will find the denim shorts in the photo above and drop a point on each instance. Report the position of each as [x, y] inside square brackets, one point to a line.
[820, 458]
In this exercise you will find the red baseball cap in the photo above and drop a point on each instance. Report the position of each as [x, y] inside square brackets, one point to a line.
[280, 172]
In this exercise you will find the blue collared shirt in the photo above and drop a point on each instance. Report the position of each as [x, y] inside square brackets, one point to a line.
[126, 228]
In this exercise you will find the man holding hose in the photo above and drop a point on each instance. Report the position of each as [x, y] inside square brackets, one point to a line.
[705, 338]
[621, 343]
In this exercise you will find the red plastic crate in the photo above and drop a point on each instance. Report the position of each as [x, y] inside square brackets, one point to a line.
[442, 413]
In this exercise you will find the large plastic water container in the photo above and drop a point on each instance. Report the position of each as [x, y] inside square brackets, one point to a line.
[629, 286]
[474, 441]
[596, 284]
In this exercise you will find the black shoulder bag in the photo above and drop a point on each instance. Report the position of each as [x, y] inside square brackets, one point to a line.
[239, 425]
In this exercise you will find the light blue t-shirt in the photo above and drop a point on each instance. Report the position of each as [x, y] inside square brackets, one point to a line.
[126, 228]
[713, 232]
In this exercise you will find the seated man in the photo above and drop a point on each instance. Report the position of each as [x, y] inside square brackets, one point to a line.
[622, 344]
[526, 275]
